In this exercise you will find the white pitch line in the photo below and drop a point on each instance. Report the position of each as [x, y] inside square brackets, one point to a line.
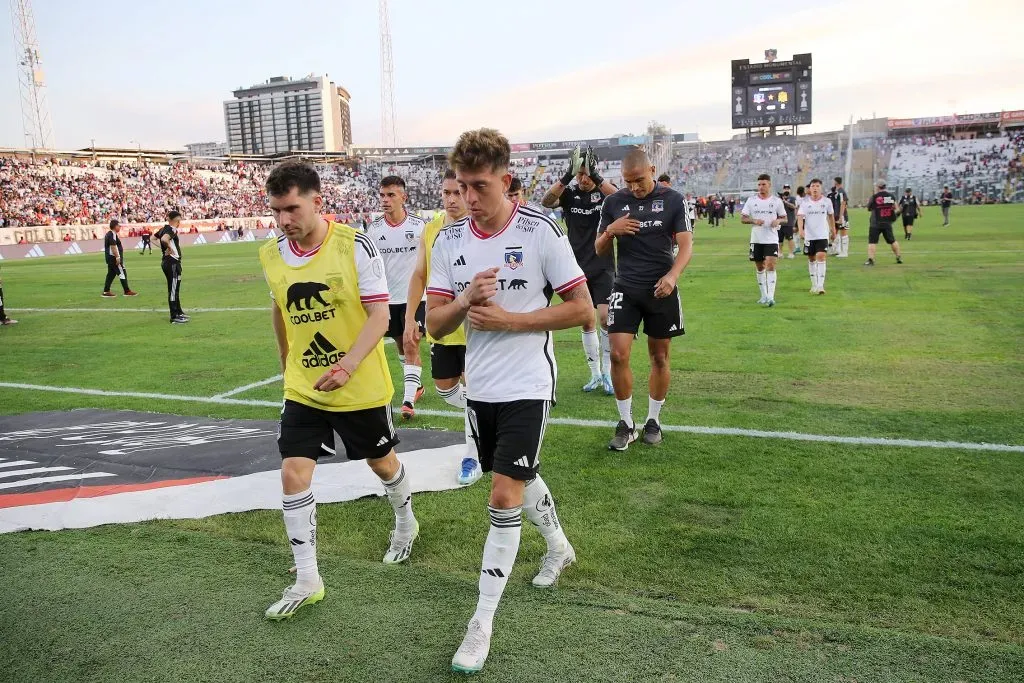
[18, 463]
[572, 422]
[247, 387]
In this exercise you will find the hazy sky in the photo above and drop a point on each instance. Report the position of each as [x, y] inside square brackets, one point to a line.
[158, 71]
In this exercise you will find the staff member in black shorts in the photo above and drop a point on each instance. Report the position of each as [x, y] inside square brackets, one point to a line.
[581, 208]
[646, 221]
[884, 209]
[167, 236]
[113, 252]
[910, 209]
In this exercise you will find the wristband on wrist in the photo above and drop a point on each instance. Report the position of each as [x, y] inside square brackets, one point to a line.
[335, 371]
[596, 178]
[567, 178]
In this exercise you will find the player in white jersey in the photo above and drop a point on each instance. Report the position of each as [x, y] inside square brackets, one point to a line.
[496, 271]
[817, 225]
[397, 235]
[764, 212]
[447, 355]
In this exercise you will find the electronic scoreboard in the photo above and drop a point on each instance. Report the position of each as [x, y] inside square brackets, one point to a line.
[771, 93]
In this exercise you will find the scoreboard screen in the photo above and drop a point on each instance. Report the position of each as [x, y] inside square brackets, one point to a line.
[771, 93]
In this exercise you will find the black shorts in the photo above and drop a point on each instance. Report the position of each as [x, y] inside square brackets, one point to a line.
[908, 221]
[785, 233]
[396, 328]
[759, 252]
[447, 362]
[509, 436]
[883, 229]
[627, 308]
[812, 247]
[600, 286]
[309, 432]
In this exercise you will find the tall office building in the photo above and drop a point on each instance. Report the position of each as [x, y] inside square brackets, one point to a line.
[286, 115]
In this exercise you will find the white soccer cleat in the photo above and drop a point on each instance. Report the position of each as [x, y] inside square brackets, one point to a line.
[551, 566]
[401, 546]
[472, 654]
[292, 600]
[763, 300]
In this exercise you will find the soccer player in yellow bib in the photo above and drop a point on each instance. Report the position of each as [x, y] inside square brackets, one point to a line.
[447, 354]
[329, 315]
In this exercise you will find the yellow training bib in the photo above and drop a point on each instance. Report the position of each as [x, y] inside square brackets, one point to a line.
[430, 233]
[323, 315]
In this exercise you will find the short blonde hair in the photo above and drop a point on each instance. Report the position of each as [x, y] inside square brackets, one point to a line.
[480, 149]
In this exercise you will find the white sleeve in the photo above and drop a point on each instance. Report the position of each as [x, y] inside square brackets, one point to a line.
[745, 211]
[829, 210]
[800, 209]
[373, 284]
[558, 260]
[780, 208]
[441, 281]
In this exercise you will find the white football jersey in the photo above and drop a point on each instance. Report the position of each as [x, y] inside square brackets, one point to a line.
[397, 246]
[536, 260]
[816, 215]
[767, 210]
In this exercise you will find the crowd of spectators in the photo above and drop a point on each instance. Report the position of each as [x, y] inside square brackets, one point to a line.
[66, 191]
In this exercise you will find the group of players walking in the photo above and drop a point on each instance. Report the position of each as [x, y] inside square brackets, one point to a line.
[489, 266]
[821, 223]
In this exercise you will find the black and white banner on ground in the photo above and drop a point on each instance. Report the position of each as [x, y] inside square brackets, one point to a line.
[83, 468]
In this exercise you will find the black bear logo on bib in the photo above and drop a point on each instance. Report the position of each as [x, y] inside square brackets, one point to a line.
[305, 292]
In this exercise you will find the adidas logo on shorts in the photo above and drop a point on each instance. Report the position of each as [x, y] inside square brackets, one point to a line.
[522, 462]
[383, 440]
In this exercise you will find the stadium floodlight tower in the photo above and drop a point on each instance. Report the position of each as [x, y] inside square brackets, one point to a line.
[35, 112]
[388, 131]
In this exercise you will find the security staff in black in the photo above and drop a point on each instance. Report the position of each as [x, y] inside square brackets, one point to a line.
[581, 209]
[167, 236]
[884, 208]
[113, 252]
[645, 221]
[910, 209]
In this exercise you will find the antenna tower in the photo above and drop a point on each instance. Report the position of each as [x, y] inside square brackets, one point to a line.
[35, 112]
[388, 133]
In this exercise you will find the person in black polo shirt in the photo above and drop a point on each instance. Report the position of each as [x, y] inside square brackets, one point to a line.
[113, 252]
[644, 221]
[581, 208]
[884, 209]
[947, 201]
[910, 209]
[167, 236]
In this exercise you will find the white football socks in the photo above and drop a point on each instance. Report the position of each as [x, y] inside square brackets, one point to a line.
[654, 409]
[770, 278]
[412, 382]
[606, 351]
[821, 274]
[540, 510]
[844, 245]
[400, 496]
[592, 350]
[300, 522]
[813, 272]
[500, 551]
[456, 398]
[625, 407]
[762, 283]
